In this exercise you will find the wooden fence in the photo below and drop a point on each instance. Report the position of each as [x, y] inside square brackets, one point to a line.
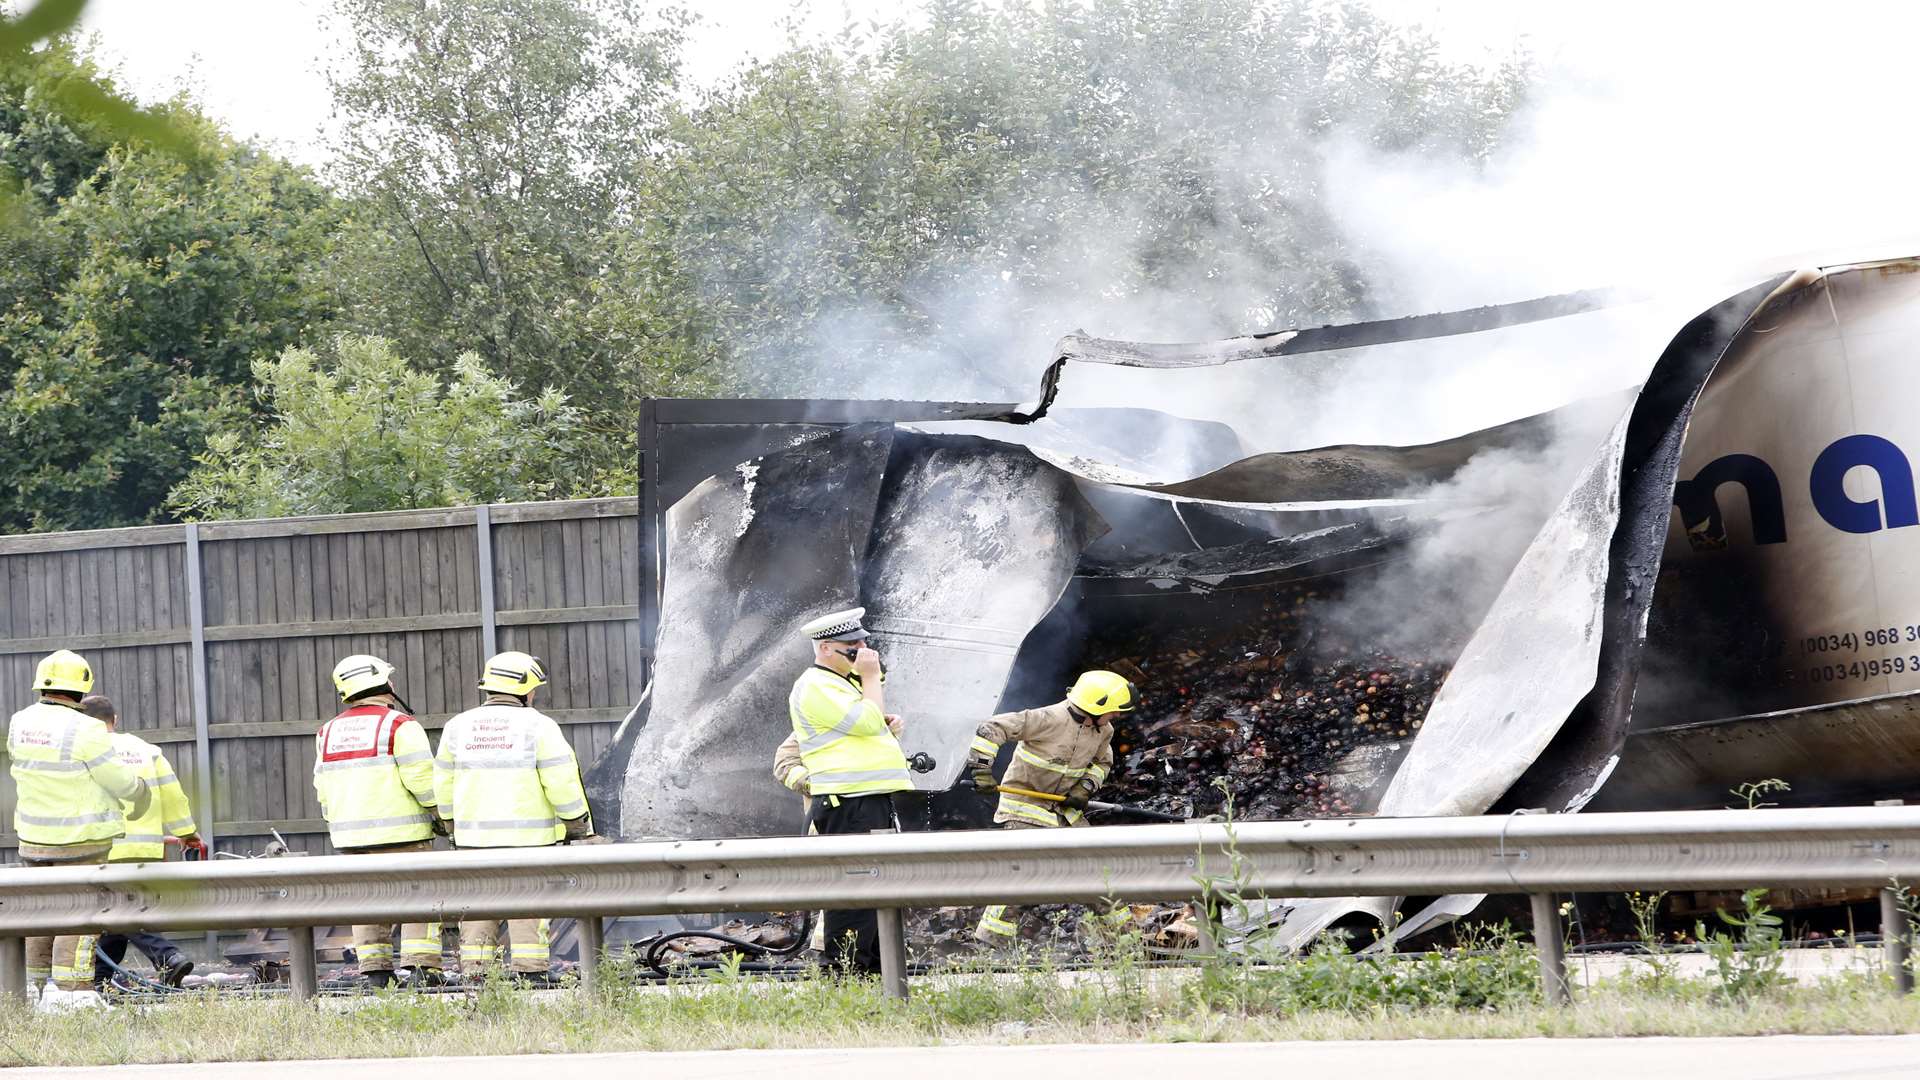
[218, 640]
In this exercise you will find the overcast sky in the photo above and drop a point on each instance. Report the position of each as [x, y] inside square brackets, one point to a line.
[1666, 131]
[257, 63]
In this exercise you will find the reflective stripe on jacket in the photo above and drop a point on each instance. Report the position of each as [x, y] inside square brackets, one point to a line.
[845, 744]
[1053, 753]
[167, 812]
[373, 771]
[787, 766]
[69, 784]
[506, 777]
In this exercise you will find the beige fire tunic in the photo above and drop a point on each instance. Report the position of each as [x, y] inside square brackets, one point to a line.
[1054, 753]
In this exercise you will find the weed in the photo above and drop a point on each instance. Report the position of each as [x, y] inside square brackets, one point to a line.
[1753, 791]
[1748, 966]
[1662, 968]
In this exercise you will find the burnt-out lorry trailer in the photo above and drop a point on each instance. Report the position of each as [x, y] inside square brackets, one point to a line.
[1594, 550]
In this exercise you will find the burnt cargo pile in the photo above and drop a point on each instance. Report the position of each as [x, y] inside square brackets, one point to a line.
[1265, 700]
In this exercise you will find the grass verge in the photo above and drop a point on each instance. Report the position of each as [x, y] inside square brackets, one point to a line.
[1477, 993]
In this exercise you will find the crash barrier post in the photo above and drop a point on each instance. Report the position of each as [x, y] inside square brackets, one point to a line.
[1896, 941]
[1896, 930]
[303, 977]
[1536, 854]
[593, 942]
[1553, 952]
[893, 953]
[13, 966]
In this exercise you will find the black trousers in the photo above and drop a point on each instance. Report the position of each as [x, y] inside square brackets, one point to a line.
[156, 948]
[853, 937]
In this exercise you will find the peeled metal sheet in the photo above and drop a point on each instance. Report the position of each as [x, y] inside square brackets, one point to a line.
[974, 544]
[1082, 348]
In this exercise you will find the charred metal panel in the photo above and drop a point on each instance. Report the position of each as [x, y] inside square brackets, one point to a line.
[957, 547]
[754, 553]
[1854, 752]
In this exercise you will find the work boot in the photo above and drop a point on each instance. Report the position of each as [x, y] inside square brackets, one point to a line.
[174, 969]
[379, 980]
[535, 979]
[424, 978]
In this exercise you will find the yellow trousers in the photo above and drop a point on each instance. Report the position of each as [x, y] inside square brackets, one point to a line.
[525, 941]
[67, 959]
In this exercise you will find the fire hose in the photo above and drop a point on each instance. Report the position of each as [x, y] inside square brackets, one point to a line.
[653, 956]
[1112, 808]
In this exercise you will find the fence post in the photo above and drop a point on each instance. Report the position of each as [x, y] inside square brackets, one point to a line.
[301, 973]
[593, 942]
[483, 571]
[198, 681]
[1553, 956]
[893, 953]
[13, 967]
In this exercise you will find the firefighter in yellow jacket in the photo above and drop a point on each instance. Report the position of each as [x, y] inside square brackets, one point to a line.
[505, 776]
[72, 796]
[373, 772]
[850, 761]
[167, 815]
[1061, 749]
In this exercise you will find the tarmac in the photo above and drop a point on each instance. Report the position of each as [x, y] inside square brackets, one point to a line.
[1778, 1057]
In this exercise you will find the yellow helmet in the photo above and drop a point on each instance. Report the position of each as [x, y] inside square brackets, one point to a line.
[360, 673]
[63, 670]
[1098, 693]
[513, 673]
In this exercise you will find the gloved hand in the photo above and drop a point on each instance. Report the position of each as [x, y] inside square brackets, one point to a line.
[981, 766]
[579, 828]
[1078, 798]
[593, 839]
[440, 826]
[193, 847]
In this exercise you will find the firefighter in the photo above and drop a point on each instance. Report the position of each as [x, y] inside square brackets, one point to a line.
[72, 795]
[1063, 749]
[167, 815]
[373, 772]
[506, 777]
[850, 760]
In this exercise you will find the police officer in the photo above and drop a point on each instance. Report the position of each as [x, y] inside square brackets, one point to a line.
[72, 794]
[850, 760]
[373, 772]
[506, 777]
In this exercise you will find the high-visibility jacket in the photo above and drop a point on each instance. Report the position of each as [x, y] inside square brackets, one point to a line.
[373, 771]
[845, 744]
[1055, 753]
[69, 784]
[506, 777]
[167, 812]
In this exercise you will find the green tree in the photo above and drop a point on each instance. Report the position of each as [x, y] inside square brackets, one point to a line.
[498, 149]
[139, 284]
[926, 207]
[360, 429]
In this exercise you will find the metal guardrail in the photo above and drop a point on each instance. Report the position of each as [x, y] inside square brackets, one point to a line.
[1539, 855]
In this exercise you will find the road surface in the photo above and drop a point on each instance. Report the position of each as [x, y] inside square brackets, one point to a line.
[1781, 1057]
